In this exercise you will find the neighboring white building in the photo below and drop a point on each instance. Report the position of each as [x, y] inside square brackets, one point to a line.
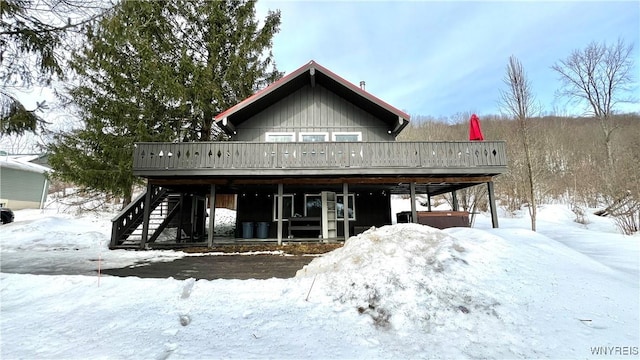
[23, 184]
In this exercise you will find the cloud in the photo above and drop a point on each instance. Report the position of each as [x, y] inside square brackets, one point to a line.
[441, 58]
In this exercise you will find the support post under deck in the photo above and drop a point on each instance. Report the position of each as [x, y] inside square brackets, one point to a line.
[414, 212]
[146, 216]
[454, 201]
[492, 205]
[280, 212]
[212, 214]
[345, 209]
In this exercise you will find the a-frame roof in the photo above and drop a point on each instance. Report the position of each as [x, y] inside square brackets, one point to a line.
[312, 73]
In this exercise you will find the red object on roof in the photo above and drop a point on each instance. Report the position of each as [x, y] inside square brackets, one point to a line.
[475, 133]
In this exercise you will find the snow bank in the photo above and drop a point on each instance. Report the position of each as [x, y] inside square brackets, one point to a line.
[479, 293]
[403, 273]
[402, 291]
[55, 233]
[225, 224]
[54, 241]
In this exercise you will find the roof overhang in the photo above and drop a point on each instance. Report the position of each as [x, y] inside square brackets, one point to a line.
[312, 73]
[397, 184]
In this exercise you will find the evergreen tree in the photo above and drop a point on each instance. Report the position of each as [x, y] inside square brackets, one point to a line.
[159, 71]
[32, 37]
[224, 59]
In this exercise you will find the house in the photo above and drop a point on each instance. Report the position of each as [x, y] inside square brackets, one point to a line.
[312, 156]
[23, 183]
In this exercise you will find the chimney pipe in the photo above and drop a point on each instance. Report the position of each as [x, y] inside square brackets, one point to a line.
[362, 84]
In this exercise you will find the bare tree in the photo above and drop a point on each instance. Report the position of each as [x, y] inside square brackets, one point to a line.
[472, 200]
[518, 101]
[600, 75]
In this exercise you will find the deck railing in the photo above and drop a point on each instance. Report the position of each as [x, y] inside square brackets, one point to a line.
[325, 155]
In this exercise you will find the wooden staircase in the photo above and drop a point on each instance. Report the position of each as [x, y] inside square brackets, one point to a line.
[127, 226]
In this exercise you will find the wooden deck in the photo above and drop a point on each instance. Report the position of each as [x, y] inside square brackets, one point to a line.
[234, 158]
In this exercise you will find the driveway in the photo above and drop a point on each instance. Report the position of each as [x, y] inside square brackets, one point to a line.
[218, 267]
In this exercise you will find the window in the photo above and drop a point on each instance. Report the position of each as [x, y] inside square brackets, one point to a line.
[350, 207]
[313, 205]
[287, 206]
[347, 136]
[280, 137]
[313, 136]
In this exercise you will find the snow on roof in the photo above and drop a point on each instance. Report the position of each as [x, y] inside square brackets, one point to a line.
[20, 162]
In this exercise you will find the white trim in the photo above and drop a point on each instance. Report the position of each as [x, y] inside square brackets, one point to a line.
[267, 134]
[305, 202]
[275, 204]
[357, 133]
[323, 133]
[45, 187]
[19, 164]
[351, 196]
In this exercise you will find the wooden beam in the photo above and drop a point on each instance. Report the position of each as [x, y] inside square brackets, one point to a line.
[192, 217]
[454, 201]
[398, 125]
[345, 209]
[280, 211]
[322, 180]
[414, 212]
[146, 216]
[228, 125]
[312, 76]
[189, 181]
[212, 214]
[180, 219]
[492, 205]
[366, 180]
[163, 225]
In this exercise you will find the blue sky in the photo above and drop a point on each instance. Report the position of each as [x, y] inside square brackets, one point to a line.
[441, 58]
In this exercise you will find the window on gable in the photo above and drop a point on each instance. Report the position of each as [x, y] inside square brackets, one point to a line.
[280, 137]
[313, 136]
[347, 136]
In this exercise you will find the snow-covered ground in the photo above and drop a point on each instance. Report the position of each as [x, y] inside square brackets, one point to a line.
[401, 291]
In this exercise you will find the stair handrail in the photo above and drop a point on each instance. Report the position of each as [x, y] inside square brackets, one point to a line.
[118, 227]
[139, 198]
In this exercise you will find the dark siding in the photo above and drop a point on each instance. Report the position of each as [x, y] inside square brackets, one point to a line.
[372, 209]
[253, 207]
[313, 109]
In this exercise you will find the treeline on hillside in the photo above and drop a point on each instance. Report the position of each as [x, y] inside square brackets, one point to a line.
[569, 162]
